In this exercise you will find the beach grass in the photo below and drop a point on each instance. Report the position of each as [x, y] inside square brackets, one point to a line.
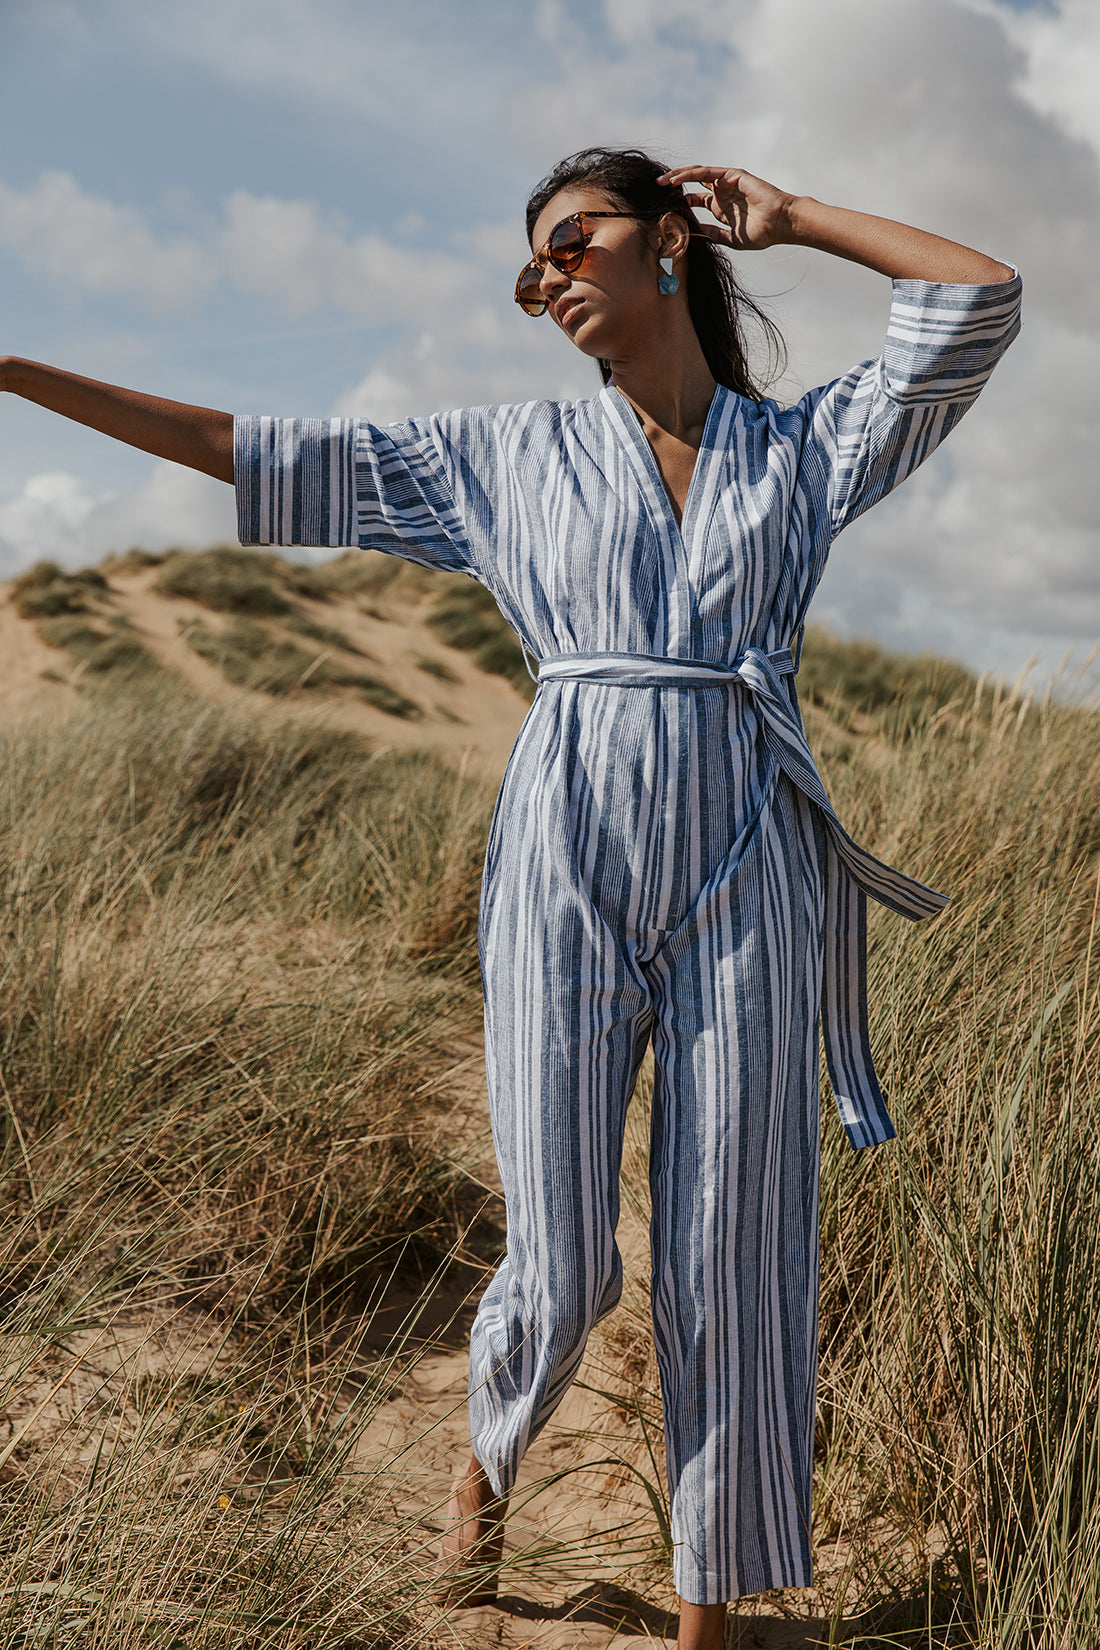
[238, 963]
[235, 967]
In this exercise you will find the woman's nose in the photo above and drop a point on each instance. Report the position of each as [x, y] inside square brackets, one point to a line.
[552, 282]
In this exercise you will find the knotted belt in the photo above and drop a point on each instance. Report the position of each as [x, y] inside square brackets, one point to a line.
[851, 873]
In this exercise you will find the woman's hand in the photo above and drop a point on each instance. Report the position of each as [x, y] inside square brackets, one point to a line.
[755, 214]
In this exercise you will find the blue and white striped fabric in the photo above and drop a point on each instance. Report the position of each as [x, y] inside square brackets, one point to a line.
[664, 864]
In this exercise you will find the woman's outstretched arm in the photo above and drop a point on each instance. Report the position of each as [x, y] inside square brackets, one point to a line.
[755, 214]
[197, 436]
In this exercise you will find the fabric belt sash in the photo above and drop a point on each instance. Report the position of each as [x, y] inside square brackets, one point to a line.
[851, 873]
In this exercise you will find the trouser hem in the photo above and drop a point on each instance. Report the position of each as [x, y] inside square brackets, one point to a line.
[710, 1587]
[495, 1473]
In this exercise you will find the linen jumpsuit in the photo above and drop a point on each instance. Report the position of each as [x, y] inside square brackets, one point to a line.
[663, 864]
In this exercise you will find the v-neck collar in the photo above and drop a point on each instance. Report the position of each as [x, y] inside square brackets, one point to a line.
[648, 471]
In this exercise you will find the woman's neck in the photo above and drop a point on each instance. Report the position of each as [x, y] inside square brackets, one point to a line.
[668, 384]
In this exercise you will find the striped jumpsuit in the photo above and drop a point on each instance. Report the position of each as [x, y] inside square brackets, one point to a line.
[663, 865]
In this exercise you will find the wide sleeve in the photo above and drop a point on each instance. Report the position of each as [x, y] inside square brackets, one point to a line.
[343, 481]
[870, 429]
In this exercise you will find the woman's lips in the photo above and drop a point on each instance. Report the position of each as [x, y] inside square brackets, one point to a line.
[566, 309]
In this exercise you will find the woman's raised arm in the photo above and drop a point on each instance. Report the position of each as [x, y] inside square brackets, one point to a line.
[197, 436]
[755, 214]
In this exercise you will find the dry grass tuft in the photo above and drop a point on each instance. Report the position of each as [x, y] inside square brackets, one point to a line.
[227, 579]
[234, 967]
[256, 656]
[467, 617]
[72, 613]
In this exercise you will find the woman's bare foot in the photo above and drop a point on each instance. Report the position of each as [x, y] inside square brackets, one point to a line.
[702, 1626]
[473, 1540]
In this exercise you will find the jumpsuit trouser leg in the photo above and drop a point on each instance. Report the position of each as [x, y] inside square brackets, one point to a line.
[734, 1161]
[731, 999]
[561, 1062]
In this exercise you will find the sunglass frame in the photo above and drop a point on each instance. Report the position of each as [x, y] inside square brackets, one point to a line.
[572, 261]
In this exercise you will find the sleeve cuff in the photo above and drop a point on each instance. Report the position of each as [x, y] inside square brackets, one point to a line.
[246, 432]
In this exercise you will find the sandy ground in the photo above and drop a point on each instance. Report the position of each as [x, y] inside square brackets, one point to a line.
[472, 721]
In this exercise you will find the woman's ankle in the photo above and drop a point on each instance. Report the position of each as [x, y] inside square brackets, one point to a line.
[475, 1493]
[702, 1626]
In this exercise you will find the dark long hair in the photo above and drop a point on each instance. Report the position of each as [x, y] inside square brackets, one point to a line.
[717, 303]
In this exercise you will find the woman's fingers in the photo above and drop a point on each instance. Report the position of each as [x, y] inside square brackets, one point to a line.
[693, 174]
[732, 182]
[726, 193]
[712, 177]
[754, 211]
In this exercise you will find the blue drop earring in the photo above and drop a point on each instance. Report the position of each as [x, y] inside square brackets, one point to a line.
[668, 284]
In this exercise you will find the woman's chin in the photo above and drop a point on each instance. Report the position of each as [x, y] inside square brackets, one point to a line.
[589, 337]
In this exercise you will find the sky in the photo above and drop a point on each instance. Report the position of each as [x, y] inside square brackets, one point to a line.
[318, 210]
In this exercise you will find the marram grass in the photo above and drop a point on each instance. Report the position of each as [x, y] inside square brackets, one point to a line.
[234, 965]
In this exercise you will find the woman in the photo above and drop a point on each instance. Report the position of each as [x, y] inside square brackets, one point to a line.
[664, 863]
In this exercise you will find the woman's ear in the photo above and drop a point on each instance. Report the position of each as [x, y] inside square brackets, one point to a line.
[670, 236]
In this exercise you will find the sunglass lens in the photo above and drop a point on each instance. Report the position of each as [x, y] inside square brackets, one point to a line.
[566, 247]
[529, 294]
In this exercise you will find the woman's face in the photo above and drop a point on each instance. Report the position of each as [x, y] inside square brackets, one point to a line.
[610, 305]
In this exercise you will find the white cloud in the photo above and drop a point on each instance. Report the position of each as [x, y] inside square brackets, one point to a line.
[1061, 49]
[439, 372]
[57, 517]
[430, 74]
[85, 242]
[286, 252]
[920, 110]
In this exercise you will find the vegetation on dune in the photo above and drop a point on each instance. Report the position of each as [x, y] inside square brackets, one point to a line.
[256, 648]
[45, 590]
[234, 967]
[259, 585]
[229, 579]
[72, 613]
[254, 586]
[370, 576]
[259, 594]
[235, 964]
[467, 617]
[959, 1268]
[460, 611]
[850, 679]
[436, 668]
[326, 634]
[253, 656]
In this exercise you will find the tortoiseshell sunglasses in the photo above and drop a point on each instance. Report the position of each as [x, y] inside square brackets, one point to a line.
[565, 249]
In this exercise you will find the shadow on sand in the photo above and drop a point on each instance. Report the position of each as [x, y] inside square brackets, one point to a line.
[628, 1615]
[598, 1605]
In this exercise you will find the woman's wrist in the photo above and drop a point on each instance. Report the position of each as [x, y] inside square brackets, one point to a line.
[834, 229]
[17, 374]
[800, 226]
